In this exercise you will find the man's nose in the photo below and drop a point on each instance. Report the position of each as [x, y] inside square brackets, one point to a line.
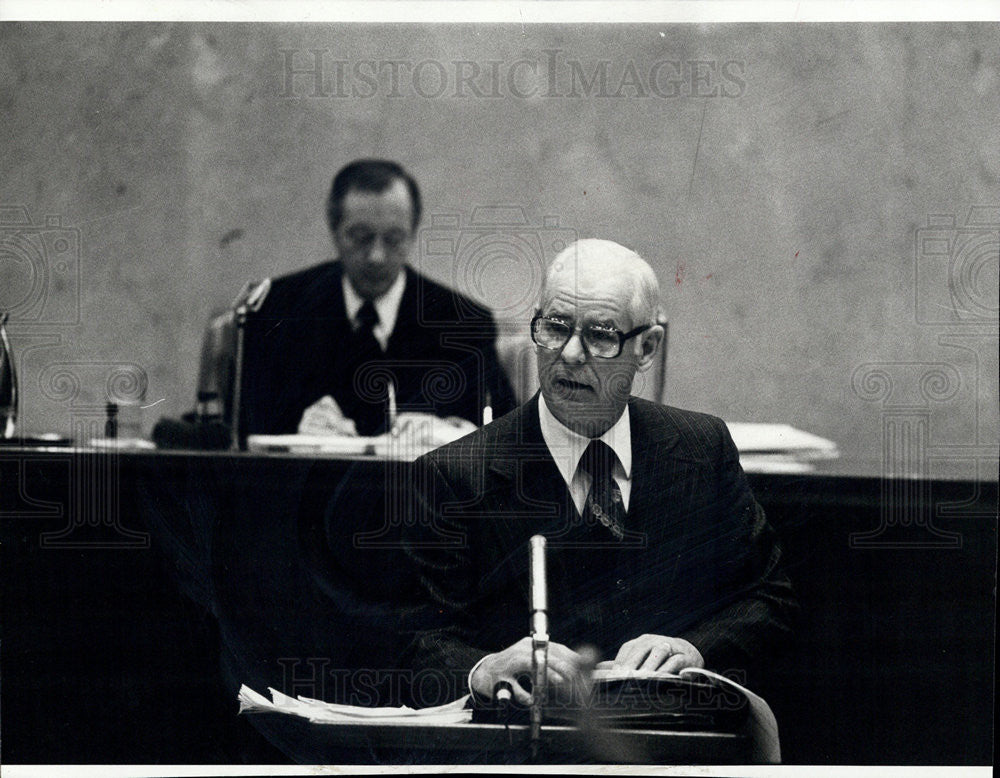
[573, 351]
[377, 253]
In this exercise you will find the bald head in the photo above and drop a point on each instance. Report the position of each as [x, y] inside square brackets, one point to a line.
[591, 263]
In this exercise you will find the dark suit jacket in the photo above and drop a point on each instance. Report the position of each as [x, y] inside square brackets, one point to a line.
[699, 560]
[441, 354]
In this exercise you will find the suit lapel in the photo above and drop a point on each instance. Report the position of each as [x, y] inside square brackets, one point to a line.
[321, 334]
[651, 465]
[412, 312]
[668, 489]
[526, 476]
[527, 492]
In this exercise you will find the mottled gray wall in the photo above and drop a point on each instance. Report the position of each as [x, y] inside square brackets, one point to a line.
[780, 197]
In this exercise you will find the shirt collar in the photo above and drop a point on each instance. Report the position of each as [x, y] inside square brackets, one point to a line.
[567, 446]
[387, 306]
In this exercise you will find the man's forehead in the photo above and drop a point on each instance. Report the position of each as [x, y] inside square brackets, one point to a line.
[609, 302]
[392, 201]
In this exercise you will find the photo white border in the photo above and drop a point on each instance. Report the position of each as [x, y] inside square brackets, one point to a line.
[502, 11]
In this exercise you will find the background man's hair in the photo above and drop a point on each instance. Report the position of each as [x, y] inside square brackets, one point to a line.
[369, 175]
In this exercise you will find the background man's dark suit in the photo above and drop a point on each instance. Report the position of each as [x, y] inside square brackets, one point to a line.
[441, 353]
[703, 563]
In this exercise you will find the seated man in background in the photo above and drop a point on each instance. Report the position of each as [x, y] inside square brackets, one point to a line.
[659, 555]
[332, 342]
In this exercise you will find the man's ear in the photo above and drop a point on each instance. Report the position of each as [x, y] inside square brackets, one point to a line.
[649, 342]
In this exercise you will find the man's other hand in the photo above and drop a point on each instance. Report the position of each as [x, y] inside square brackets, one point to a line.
[658, 653]
[324, 417]
[513, 665]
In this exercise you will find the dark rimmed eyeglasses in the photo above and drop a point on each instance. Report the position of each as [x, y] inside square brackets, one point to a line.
[599, 341]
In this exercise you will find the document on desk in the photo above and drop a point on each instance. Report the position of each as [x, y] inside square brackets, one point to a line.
[761, 726]
[320, 712]
[758, 438]
[414, 435]
[779, 448]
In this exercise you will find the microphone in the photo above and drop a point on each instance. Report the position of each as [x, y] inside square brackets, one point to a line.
[256, 293]
[250, 301]
[539, 639]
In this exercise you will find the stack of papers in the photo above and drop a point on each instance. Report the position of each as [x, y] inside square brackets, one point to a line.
[320, 712]
[415, 434]
[779, 448]
[117, 444]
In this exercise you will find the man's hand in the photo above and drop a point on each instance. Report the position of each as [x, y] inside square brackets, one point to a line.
[324, 417]
[514, 663]
[658, 653]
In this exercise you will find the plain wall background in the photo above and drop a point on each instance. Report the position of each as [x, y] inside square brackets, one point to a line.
[783, 215]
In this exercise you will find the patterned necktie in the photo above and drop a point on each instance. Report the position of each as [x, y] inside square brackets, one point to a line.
[369, 416]
[604, 501]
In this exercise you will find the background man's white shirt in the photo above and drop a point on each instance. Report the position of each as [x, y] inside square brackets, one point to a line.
[387, 307]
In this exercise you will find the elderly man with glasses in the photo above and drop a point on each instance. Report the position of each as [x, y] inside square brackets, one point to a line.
[659, 556]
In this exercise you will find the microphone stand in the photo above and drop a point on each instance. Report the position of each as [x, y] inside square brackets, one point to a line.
[250, 302]
[539, 641]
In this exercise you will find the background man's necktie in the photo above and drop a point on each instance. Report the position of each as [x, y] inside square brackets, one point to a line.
[369, 415]
[604, 501]
[366, 319]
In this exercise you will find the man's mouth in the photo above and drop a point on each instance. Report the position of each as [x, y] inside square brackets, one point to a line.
[569, 386]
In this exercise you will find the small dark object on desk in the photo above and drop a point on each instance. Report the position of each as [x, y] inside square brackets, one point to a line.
[111, 425]
[189, 432]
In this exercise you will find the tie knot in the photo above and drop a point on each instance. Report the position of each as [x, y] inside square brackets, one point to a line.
[598, 460]
[367, 315]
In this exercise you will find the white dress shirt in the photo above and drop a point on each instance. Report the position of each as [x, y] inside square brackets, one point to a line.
[386, 306]
[566, 448]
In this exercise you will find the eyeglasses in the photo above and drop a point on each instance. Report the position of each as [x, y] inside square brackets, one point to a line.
[603, 342]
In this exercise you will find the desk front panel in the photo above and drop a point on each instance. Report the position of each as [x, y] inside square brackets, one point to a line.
[140, 588]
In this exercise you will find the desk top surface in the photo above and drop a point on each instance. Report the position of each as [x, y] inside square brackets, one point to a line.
[974, 465]
[558, 743]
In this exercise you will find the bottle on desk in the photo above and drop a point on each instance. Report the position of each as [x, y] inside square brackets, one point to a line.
[111, 421]
[8, 383]
[123, 421]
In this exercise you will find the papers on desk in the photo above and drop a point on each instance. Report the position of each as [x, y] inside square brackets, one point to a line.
[122, 444]
[761, 725]
[415, 434]
[320, 712]
[779, 448]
